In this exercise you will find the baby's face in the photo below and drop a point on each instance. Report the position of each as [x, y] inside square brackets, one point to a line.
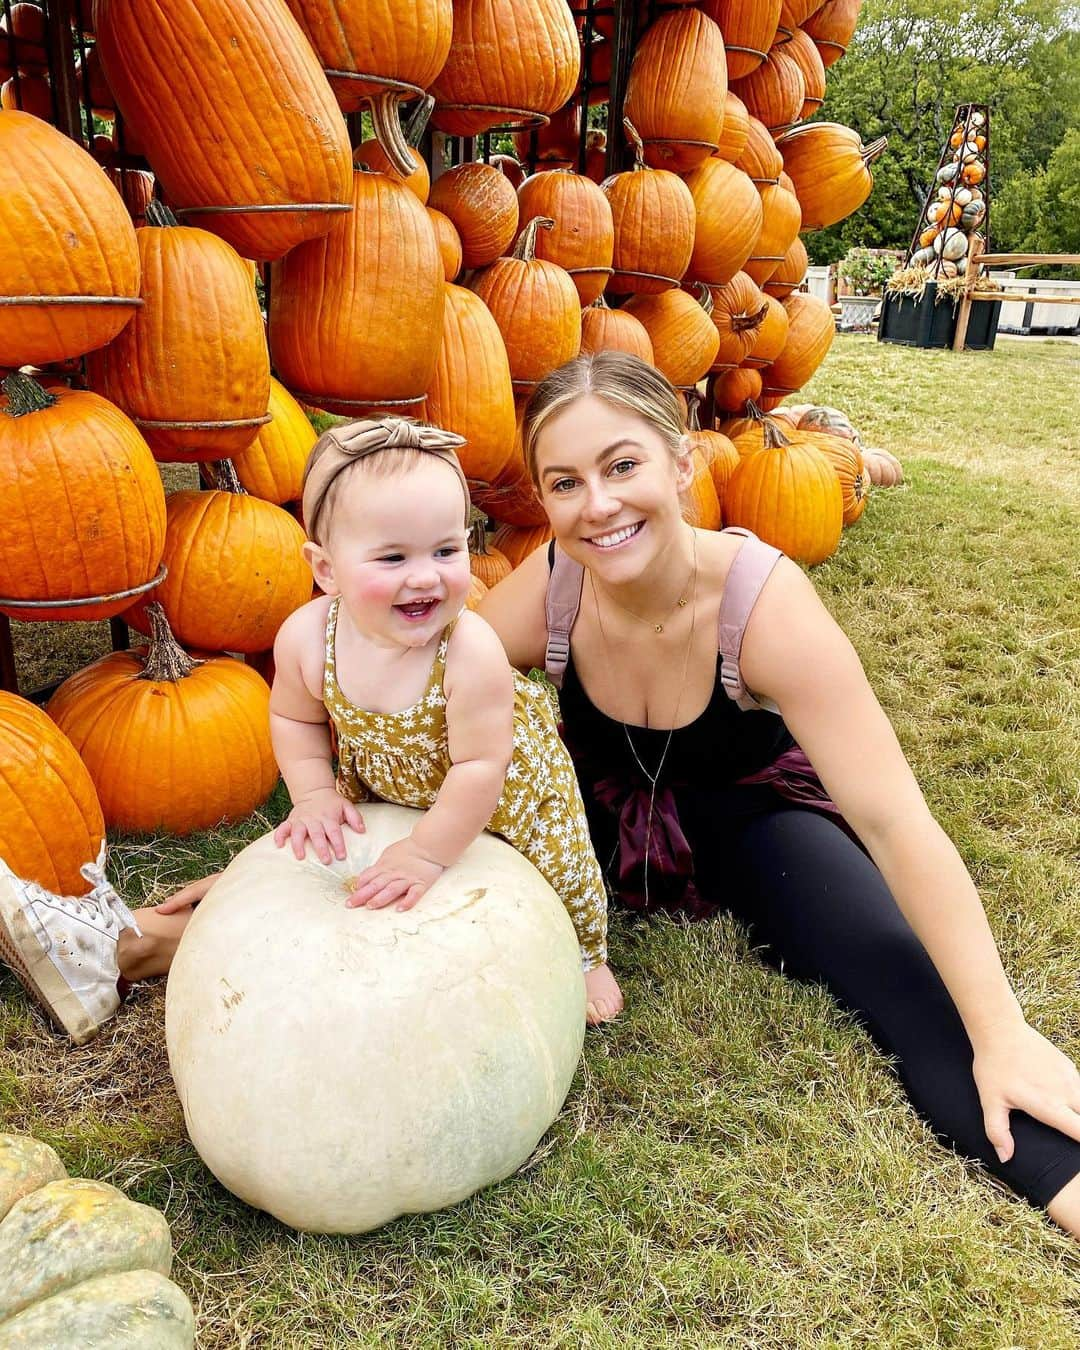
[398, 553]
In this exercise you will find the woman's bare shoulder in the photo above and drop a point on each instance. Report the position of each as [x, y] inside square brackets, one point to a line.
[515, 608]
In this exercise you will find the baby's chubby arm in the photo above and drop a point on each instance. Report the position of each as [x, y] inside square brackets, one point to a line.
[479, 686]
[300, 731]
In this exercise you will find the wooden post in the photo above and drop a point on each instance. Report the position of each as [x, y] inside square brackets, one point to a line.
[975, 247]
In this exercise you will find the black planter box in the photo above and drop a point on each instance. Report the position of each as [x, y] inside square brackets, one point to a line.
[922, 323]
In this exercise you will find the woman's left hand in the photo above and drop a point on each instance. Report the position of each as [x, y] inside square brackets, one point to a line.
[1017, 1069]
[402, 872]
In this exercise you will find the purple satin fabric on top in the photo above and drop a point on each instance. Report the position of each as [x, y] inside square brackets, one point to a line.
[671, 884]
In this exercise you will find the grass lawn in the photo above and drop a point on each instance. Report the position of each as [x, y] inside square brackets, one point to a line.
[735, 1166]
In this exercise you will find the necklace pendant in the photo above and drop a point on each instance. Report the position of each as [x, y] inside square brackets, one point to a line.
[659, 627]
[682, 603]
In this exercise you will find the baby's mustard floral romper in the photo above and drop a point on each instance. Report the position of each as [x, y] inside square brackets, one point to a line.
[403, 757]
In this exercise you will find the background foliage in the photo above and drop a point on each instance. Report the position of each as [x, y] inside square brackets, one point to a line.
[911, 62]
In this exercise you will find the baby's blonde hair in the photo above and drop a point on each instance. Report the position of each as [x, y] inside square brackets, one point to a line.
[618, 378]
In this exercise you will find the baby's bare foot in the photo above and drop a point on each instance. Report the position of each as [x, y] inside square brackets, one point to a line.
[603, 997]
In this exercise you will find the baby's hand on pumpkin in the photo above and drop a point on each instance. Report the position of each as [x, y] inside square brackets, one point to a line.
[318, 817]
[402, 872]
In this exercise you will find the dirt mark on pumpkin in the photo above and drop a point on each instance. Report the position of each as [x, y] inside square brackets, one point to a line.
[232, 999]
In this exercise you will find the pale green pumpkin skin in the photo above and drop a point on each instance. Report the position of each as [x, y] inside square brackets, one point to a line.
[339, 1067]
[82, 1267]
[25, 1165]
[72, 1230]
[132, 1310]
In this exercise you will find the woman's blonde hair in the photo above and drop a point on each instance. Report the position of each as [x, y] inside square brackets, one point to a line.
[618, 378]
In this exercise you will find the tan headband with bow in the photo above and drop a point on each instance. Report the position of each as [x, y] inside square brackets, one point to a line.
[343, 445]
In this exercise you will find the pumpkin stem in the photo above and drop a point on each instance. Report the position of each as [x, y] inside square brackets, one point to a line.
[222, 474]
[705, 296]
[26, 395]
[387, 127]
[874, 150]
[634, 137]
[478, 533]
[418, 120]
[693, 403]
[157, 213]
[165, 660]
[599, 303]
[772, 437]
[742, 322]
[525, 248]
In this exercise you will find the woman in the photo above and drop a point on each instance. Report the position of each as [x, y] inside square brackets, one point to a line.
[696, 804]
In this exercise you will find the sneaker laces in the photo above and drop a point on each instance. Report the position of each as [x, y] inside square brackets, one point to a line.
[100, 906]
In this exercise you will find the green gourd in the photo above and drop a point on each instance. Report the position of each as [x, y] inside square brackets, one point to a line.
[80, 1263]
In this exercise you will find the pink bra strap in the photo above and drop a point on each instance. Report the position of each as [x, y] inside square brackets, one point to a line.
[751, 568]
[561, 605]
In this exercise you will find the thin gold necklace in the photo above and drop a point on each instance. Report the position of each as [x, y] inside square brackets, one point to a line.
[681, 603]
[654, 778]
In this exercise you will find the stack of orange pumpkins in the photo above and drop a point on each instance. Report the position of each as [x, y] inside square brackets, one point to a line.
[447, 299]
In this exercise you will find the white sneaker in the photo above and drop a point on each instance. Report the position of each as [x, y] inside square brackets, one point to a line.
[63, 948]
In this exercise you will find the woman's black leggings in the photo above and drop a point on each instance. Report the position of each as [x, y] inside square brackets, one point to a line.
[823, 911]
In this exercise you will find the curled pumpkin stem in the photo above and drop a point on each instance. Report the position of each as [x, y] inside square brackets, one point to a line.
[387, 127]
[525, 248]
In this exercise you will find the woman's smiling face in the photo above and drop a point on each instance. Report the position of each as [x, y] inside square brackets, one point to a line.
[610, 485]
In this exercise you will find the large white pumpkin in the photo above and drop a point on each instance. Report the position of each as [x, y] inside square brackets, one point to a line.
[339, 1067]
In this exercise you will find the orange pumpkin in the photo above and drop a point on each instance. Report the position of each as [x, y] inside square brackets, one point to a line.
[370, 52]
[760, 160]
[790, 273]
[770, 337]
[236, 572]
[738, 310]
[171, 743]
[554, 146]
[736, 129]
[830, 28]
[477, 591]
[683, 336]
[830, 168]
[355, 317]
[23, 35]
[509, 61]
[50, 817]
[536, 307]
[582, 236]
[84, 510]
[483, 207]
[729, 219]
[701, 505]
[718, 452]
[806, 56]
[604, 329]
[731, 389]
[470, 391]
[788, 495]
[136, 189]
[449, 241]
[191, 369]
[811, 329]
[781, 217]
[272, 466]
[517, 541]
[847, 461]
[511, 498]
[66, 234]
[29, 94]
[371, 155]
[675, 94]
[252, 122]
[774, 92]
[748, 27]
[486, 561]
[654, 219]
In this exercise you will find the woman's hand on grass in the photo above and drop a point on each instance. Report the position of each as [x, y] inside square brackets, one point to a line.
[1017, 1069]
[319, 818]
[402, 872]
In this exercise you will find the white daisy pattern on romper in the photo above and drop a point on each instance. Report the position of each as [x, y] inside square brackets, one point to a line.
[403, 757]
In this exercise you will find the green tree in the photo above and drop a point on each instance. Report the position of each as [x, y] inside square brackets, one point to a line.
[911, 62]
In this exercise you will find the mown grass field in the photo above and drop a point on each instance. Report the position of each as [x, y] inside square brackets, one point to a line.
[735, 1166]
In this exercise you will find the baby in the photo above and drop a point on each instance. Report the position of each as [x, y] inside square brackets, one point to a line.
[416, 692]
